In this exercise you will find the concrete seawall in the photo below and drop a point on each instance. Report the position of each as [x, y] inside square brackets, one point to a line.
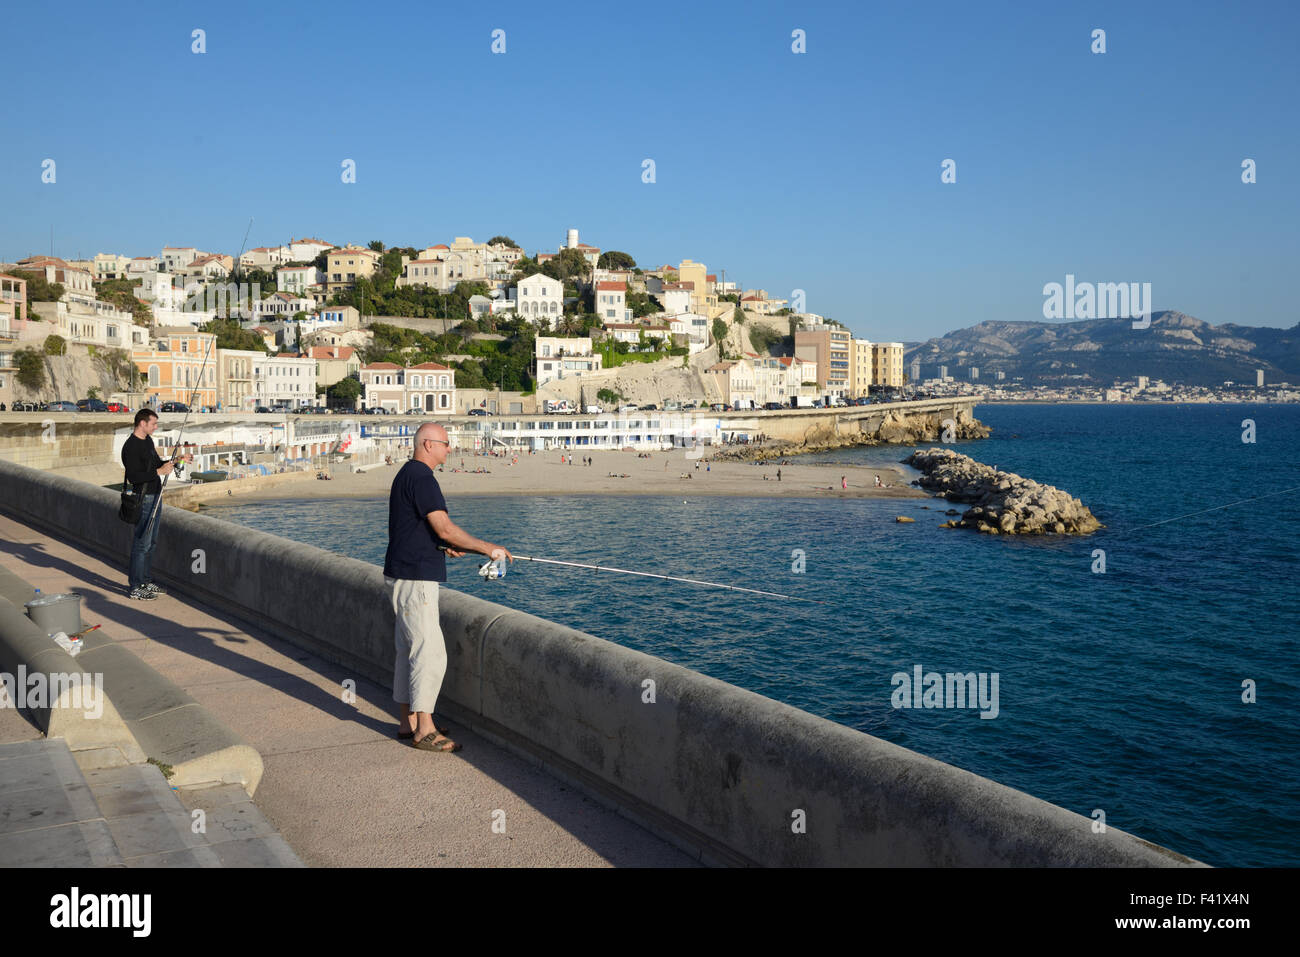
[732, 776]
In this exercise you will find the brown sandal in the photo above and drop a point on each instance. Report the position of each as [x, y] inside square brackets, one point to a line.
[435, 742]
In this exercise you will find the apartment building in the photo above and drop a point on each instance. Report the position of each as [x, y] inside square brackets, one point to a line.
[734, 379]
[285, 380]
[561, 357]
[830, 348]
[539, 297]
[236, 383]
[887, 364]
[297, 279]
[429, 386]
[334, 364]
[611, 302]
[861, 367]
[347, 265]
[174, 367]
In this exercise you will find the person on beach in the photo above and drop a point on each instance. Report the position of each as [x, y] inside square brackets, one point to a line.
[878, 481]
[844, 482]
[778, 475]
[418, 527]
[144, 471]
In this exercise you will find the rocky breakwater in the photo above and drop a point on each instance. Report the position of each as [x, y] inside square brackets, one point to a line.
[896, 428]
[1002, 502]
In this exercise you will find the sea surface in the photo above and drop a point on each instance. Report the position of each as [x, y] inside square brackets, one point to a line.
[1118, 691]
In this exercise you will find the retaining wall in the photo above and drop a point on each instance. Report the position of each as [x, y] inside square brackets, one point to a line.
[718, 770]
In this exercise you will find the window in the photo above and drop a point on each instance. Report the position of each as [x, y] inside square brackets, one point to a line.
[442, 400]
[442, 382]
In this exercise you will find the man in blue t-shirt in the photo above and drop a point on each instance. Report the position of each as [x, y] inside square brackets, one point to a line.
[418, 527]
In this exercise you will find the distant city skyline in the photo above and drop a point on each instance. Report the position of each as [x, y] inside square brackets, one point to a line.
[818, 170]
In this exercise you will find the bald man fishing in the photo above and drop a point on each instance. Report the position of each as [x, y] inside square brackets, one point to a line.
[418, 527]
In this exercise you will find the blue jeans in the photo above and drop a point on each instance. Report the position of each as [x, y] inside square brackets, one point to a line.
[143, 541]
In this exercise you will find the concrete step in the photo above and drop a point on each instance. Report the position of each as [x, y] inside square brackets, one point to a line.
[90, 809]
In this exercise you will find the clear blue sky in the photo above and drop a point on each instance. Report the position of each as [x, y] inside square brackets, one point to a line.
[818, 171]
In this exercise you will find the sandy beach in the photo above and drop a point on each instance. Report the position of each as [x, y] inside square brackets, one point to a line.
[663, 473]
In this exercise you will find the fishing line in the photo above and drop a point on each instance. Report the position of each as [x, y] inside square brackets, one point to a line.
[496, 569]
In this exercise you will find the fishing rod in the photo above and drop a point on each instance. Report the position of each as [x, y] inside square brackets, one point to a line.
[496, 569]
[189, 406]
[176, 448]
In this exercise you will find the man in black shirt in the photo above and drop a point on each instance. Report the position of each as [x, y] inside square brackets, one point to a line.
[418, 526]
[144, 470]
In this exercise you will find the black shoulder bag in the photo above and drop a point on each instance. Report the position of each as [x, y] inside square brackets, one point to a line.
[129, 510]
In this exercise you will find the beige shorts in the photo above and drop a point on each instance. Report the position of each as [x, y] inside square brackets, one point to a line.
[421, 653]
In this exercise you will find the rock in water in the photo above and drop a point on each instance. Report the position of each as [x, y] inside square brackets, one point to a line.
[1001, 502]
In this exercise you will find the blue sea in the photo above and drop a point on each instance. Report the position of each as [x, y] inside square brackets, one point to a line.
[1118, 691]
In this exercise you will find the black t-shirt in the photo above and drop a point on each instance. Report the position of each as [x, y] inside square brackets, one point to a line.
[141, 462]
[412, 543]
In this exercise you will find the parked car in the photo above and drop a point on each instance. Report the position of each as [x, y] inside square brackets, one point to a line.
[627, 408]
[479, 412]
[62, 407]
[594, 410]
[118, 407]
[717, 407]
[173, 407]
[85, 405]
[261, 409]
[376, 410]
[649, 407]
[772, 406]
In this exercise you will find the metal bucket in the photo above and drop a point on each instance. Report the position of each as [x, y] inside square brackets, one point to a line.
[53, 613]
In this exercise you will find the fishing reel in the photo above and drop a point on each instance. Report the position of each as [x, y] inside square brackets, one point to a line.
[493, 569]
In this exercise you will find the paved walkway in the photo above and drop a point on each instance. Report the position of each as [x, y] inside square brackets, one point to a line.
[59, 809]
[338, 786]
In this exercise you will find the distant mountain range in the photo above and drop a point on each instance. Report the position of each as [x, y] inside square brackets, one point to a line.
[1176, 348]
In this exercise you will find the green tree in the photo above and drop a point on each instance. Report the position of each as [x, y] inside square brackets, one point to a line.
[31, 369]
[376, 246]
[92, 392]
[38, 290]
[608, 396]
[719, 331]
[345, 392]
[641, 304]
[615, 260]
[55, 345]
[503, 241]
[231, 335]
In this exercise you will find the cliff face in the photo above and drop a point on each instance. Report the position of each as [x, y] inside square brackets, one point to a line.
[69, 377]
